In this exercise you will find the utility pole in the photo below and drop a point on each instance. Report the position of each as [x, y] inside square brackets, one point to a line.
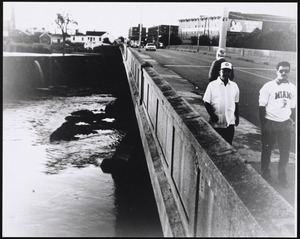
[12, 18]
[198, 35]
[140, 30]
[157, 36]
[169, 35]
[223, 30]
[140, 35]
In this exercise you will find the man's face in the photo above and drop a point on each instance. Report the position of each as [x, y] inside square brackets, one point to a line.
[225, 74]
[282, 73]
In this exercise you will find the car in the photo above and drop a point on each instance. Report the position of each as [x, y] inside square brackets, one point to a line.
[150, 47]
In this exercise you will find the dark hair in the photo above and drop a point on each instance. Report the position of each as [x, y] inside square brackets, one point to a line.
[283, 63]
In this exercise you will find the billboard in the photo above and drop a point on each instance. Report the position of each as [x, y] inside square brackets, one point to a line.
[243, 25]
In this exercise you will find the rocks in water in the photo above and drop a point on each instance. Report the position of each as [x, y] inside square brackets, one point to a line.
[124, 150]
[91, 122]
[68, 131]
[120, 109]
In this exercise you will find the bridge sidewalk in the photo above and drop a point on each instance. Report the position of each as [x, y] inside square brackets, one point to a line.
[247, 139]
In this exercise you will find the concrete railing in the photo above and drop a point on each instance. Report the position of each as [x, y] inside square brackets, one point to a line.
[201, 184]
[243, 52]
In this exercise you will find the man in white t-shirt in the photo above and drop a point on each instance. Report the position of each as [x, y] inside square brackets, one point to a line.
[277, 104]
[221, 102]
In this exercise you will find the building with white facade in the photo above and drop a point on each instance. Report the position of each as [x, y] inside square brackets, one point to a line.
[91, 39]
[237, 23]
[195, 27]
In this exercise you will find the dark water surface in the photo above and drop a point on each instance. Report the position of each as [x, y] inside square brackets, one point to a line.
[58, 189]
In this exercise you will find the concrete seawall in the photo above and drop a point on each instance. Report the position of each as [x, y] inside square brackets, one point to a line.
[24, 73]
[203, 187]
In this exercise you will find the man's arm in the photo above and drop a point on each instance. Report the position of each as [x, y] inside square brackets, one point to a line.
[262, 114]
[236, 113]
[213, 72]
[211, 112]
[293, 115]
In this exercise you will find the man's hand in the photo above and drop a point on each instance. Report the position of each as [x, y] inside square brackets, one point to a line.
[262, 113]
[214, 118]
[237, 121]
[211, 111]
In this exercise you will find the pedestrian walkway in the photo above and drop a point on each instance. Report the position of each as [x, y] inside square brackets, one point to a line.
[247, 139]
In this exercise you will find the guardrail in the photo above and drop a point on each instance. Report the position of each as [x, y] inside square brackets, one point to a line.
[243, 52]
[201, 184]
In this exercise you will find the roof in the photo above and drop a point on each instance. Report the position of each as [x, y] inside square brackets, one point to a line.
[94, 33]
[45, 33]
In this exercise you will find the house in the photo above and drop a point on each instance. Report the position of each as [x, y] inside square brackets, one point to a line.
[56, 38]
[49, 38]
[94, 39]
[45, 38]
[78, 37]
[91, 39]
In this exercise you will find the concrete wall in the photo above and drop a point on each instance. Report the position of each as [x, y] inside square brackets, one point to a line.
[243, 52]
[23, 73]
[201, 184]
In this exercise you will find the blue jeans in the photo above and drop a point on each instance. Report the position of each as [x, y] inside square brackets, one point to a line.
[272, 131]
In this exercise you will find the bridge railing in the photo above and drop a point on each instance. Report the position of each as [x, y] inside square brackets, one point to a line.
[243, 52]
[202, 185]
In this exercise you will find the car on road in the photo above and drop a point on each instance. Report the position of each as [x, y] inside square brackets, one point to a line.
[150, 47]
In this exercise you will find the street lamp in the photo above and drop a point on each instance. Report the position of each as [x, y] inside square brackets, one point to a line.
[157, 36]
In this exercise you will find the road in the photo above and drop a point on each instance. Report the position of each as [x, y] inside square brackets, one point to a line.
[194, 67]
[250, 77]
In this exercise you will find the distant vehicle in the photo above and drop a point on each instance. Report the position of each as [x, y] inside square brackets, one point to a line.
[161, 45]
[150, 47]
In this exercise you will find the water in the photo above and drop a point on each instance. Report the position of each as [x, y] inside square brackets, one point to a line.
[58, 189]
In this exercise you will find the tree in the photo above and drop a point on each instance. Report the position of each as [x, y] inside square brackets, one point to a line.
[106, 40]
[121, 39]
[63, 20]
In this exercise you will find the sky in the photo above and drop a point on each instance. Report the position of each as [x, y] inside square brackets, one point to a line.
[117, 17]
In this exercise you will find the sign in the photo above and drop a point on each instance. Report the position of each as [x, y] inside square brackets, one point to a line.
[243, 25]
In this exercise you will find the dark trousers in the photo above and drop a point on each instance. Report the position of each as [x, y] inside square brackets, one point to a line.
[226, 133]
[272, 131]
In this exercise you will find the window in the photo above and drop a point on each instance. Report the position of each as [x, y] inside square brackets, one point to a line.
[73, 38]
[99, 38]
[82, 39]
